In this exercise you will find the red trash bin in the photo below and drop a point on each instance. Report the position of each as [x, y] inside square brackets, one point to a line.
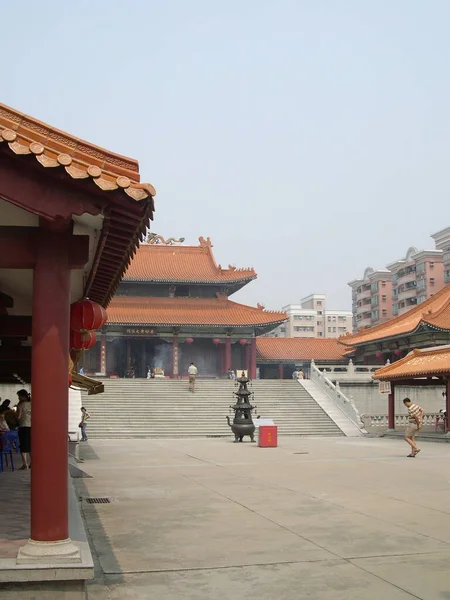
[268, 436]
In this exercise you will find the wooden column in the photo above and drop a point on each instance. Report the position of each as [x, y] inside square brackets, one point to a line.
[252, 370]
[128, 357]
[143, 359]
[281, 371]
[246, 357]
[50, 394]
[391, 408]
[227, 353]
[175, 357]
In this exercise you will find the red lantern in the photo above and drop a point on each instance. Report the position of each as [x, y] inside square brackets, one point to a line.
[87, 316]
[243, 342]
[379, 355]
[397, 352]
[216, 341]
[82, 340]
[189, 340]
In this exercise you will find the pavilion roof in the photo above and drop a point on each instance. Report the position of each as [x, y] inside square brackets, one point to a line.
[300, 349]
[109, 179]
[434, 312]
[182, 264]
[425, 362]
[215, 312]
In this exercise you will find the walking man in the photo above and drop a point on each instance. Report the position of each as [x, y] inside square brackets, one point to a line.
[193, 372]
[84, 417]
[416, 413]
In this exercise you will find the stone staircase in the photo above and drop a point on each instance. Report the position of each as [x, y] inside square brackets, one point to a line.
[140, 408]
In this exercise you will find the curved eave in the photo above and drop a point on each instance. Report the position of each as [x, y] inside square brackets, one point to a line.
[418, 375]
[353, 344]
[196, 281]
[265, 324]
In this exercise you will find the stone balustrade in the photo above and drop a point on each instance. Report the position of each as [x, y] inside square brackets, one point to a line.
[334, 393]
[401, 421]
[350, 372]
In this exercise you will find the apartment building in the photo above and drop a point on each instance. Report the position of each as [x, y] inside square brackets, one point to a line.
[442, 242]
[382, 294]
[415, 278]
[312, 319]
[371, 298]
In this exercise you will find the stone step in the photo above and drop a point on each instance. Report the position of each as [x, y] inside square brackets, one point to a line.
[166, 409]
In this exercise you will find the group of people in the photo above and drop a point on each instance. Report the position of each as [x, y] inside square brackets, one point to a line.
[298, 374]
[19, 418]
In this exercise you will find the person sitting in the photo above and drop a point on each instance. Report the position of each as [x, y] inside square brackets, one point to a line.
[3, 424]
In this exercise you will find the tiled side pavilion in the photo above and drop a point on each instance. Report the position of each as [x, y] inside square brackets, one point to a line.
[421, 367]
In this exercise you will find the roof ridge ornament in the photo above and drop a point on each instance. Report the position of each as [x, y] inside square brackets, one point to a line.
[205, 243]
[158, 240]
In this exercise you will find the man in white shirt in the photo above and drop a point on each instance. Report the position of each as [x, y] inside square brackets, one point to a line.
[193, 372]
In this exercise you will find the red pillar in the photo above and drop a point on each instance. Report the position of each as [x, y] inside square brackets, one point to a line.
[391, 408]
[49, 370]
[447, 403]
[128, 357]
[246, 366]
[227, 354]
[252, 370]
[175, 357]
[281, 371]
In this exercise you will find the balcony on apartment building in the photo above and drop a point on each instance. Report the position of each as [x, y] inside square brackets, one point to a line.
[405, 275]
[406, 291]
[366, 322]
[363, 306]
[404, 305]
[364, 292]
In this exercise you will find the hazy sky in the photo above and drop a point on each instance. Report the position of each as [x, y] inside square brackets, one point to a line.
[307, 138]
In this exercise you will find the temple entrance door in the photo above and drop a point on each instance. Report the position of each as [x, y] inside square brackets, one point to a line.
[158, 355]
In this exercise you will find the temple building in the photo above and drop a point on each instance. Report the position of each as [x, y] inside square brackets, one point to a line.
[425, 325]
[172, 308]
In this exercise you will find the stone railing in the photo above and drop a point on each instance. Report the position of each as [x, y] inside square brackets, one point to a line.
[334, 393]
[401, 421]
[350, 372]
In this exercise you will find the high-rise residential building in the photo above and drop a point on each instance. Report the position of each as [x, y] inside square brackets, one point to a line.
[382, 294]
[442, 242]
[415, 278]
[312, 319]
[371, 298]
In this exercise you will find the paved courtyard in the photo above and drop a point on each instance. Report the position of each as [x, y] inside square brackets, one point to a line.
[338, 518]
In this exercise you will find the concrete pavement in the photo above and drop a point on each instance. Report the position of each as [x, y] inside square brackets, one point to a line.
[330, 518]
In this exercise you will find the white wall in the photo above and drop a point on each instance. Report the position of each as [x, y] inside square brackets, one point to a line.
[74, 412]
[369, 401]
[10, 391]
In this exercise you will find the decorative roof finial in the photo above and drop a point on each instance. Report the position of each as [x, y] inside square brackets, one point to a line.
[158, 240]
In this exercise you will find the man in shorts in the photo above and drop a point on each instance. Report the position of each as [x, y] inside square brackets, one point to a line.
[193, 372]
[416, 413]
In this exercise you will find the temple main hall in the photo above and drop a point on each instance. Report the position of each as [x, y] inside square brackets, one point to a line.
[172, 308]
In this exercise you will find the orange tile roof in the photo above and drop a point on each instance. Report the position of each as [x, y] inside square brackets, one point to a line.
[81, 160]
[219, 312]
[300, 349]
[425, 362]
[185, 264]
[434, 312]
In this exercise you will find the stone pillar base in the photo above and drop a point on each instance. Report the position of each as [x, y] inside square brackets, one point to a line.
[48, 552]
